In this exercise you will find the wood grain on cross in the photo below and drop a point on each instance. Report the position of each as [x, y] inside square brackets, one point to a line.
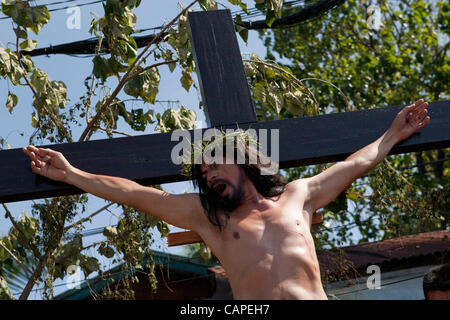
[227, 101]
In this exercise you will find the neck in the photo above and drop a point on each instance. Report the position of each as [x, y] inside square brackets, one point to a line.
[251, 194]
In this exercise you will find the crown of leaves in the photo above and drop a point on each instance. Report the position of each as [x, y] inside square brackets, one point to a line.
[198, 148]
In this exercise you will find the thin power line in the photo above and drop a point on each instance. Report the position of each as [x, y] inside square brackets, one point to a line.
[58, 2]
[78, 5]
[64, 8]
[88, 46]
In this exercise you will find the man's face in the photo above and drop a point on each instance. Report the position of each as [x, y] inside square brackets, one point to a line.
[226, 180]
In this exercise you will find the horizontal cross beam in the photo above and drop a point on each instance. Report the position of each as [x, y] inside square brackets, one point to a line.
[146, 159]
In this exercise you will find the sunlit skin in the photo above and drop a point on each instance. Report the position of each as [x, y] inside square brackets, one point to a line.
[266, 246]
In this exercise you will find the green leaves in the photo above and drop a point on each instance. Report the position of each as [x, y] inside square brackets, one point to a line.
[51, 93]
[106, 251]
[144, 85]
[243, 32]
[352, 195]
[105, 68]
[208, 4]
[5, 245]
[136, 118]
[179, 41]
[11, 102]
[110, 232]
[116, 26]
[163, 228]
[101, 69]
[273, 9]
[20, 33]
[186, 79]
[374, 68]
[5, 293]
[131, 240]
[24, 15]
[28, 45]
[175, 119]
[88, 264]
[277, 91]
[10, 66]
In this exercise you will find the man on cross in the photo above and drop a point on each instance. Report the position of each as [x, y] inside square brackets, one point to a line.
[257, 226]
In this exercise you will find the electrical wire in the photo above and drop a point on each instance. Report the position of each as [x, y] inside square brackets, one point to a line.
[63, 8]
[60, 2]
[252, 12]
[88, 46]
[309, 11]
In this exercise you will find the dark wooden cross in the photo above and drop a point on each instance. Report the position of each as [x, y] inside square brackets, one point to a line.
[227, 101]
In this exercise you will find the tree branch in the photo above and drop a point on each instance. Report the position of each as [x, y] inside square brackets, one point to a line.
[87, 132]
[94, 244]
[114, 131]
[443, 50]
[30, 245]
[16, 259]
[88, 217]
[44, 260]
[299, 82]
[58, 124]
[134, 75]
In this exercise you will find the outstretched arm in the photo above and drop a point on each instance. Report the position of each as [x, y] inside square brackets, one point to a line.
[183, 210]
[326, 186]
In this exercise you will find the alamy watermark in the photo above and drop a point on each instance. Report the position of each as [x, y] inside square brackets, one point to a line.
[74, 279]
[373, 281]
[374, 19]
[208, 147]
[74, 20]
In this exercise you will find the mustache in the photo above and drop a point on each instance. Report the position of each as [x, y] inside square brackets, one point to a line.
[220, 180]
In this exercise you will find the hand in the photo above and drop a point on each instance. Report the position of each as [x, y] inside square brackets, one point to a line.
[409, 120]
[48, 163]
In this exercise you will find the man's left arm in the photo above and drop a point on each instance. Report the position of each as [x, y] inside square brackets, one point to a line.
[326, 186]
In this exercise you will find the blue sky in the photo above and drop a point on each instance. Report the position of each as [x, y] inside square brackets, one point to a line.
[16, 127]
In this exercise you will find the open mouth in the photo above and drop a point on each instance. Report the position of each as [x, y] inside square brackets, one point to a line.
[219, 187]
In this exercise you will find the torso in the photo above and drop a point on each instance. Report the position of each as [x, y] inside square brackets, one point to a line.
[268, 252]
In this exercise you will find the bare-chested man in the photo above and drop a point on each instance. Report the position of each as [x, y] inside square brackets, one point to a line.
[258, 229]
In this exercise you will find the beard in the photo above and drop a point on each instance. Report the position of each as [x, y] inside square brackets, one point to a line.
[231, 201]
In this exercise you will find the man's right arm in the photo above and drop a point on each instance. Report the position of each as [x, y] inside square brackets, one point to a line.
[183, 210]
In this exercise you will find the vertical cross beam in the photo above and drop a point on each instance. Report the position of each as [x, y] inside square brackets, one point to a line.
[223, 83]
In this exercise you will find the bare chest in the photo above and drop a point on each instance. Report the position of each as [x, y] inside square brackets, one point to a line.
[256, 238]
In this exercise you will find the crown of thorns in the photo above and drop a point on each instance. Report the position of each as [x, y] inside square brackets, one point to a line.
[201, 149]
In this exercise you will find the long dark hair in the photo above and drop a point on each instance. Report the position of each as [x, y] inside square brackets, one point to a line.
[267, 185]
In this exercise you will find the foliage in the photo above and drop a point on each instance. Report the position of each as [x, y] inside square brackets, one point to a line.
[403, 59]
[40, 248]
[335, 63]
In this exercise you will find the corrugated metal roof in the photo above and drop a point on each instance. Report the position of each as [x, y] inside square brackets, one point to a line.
[168, 260]
[391, 251]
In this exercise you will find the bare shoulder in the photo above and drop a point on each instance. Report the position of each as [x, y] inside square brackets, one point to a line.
[300, 190]
[298, 186]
